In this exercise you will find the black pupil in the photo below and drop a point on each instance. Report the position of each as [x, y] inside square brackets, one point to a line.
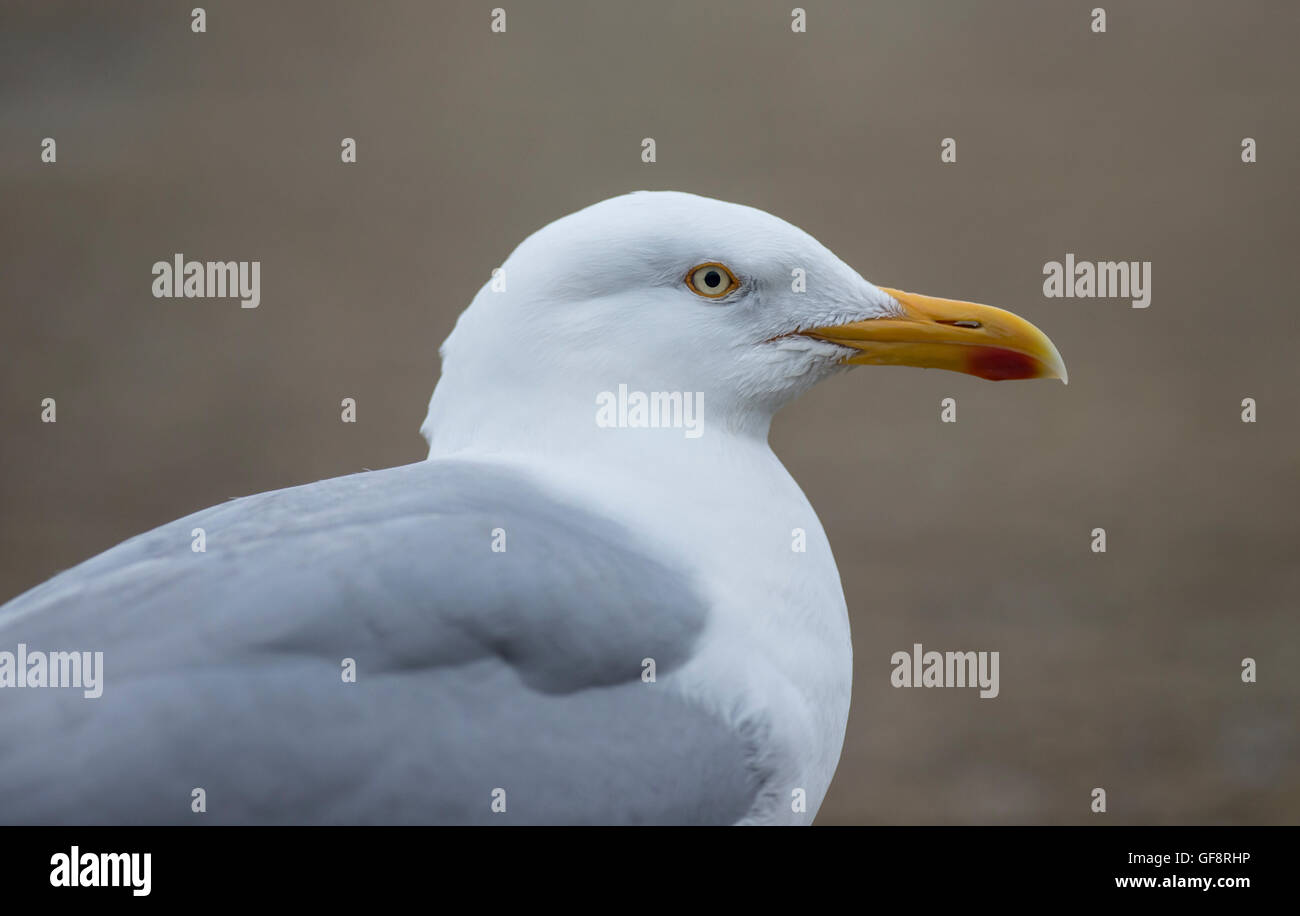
[712, 279]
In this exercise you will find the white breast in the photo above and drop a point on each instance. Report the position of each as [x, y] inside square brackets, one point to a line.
[776, 658]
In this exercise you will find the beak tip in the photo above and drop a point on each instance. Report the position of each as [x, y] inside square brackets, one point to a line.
[1058, 365]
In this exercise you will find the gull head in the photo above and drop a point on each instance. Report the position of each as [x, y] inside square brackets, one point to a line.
[661, 291]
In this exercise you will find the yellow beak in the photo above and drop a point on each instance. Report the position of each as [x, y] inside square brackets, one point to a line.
[948, 334]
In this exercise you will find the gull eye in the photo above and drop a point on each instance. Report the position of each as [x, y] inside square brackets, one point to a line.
[711, 280]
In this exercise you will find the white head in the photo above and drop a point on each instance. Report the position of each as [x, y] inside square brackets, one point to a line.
[669, 292]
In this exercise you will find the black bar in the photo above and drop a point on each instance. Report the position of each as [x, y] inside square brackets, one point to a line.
[330, 865]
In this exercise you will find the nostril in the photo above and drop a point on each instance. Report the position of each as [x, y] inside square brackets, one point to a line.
[964, 323]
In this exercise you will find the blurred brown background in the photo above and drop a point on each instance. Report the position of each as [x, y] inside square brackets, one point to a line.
[1118, 670]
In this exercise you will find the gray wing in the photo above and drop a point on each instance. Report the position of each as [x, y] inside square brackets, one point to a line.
[476, 670]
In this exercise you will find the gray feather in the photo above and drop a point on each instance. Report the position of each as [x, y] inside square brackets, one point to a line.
[477, 670]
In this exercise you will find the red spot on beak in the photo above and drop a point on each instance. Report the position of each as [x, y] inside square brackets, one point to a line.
[998, 365]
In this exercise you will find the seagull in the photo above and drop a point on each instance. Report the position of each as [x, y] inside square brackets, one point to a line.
[600, 600]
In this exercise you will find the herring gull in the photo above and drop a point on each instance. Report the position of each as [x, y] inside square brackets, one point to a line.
[587, 604]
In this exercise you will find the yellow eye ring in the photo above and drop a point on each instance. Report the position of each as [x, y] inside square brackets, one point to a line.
[711, 280]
